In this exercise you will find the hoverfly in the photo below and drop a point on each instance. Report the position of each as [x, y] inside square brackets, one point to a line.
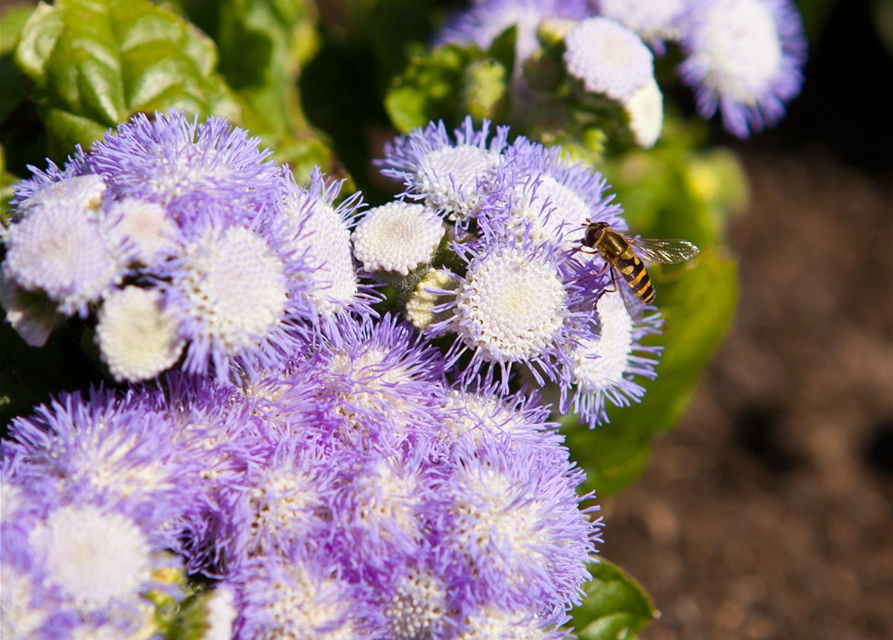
[618, 252]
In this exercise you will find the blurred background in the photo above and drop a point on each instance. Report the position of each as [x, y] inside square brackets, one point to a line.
[766, 514]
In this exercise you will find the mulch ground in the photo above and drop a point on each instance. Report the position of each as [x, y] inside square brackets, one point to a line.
[767, 513]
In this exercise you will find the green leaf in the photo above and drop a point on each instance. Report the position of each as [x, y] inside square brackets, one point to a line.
[94, 63]
[615, 606]
[431, 86]
[11, 22]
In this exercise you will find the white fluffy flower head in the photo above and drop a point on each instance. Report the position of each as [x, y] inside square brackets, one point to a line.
[608, 58]
[234, 288]
[328, 253]
[510, 306]
[144, 226]
[137, 337]
[398, 237]
[646, 114]
[741, 49]
[492, 623]
[58, 249]
[449, 177]
[600, 363]
[551, 213]
[95, 558]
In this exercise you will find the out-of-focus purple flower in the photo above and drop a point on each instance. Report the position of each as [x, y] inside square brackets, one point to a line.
[45, 184]
[745, 58]
[443, 171]
[607, 363]
[300, 597]
[483, 23]
[58, 250]
[512, 519]
[186, 164]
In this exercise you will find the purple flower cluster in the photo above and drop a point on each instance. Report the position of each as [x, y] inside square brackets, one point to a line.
[329, 469]
[181, 241]
[743, 58]
[349, 494]
[518, 295]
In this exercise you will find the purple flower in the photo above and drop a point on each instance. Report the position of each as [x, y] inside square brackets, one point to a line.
[283, 501]
[235, 291]
[514, 306]
[607, 363]
[745, 58]
[443, 171]
[300, 597]
[540, 189]
[45, 183]
[186, 165]
[104, 449]
[319, 230]
[482, 24]
[655, 21]
[511, 519]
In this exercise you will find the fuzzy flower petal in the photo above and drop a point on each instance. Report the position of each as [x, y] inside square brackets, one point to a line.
[652, 20]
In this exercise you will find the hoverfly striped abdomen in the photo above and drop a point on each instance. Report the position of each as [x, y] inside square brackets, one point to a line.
[620, 254]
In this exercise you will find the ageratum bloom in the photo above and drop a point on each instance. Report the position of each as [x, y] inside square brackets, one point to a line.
[320, 231]
[512, 519]
[655, 21]
[58, 250]
[745, 58]
[443, 171]
[608, 58]
[47, 184]
[298, 598]
[482, 24]
[233, 290]
[137, 337]
[539, 191]
[397, 238]
[105, 448]
[516, 305]
[185, 165]
[606, 364]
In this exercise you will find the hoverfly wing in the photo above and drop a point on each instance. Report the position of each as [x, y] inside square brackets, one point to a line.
[665, 250]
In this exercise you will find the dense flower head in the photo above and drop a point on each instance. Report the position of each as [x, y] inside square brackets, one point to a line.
[744, 58]
[540, 192]
[514, 306]
[233, 289]
[397, 238]
[606, 365]
[482, 24]
[47, 181]
[608, 58]
[512, 518]
[57, 249]
[443, 170]
[319, 228]
[183, 163]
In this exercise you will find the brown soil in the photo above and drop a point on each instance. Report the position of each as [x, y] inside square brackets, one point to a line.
[767, 513]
